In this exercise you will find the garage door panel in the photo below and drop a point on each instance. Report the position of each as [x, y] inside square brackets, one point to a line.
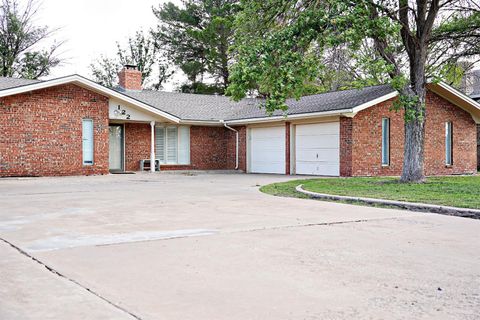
[270, 144]
[267, 150]
[268, 156]
[317, 149]
[317, 128]
[331, 155]
[268, 132]
[320, 141]
[314, 169]
[268, 167]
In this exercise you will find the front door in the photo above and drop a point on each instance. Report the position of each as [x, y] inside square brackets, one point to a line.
[116, 147]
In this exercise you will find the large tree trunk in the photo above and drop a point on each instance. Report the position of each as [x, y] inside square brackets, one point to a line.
[413, 155]
[413, 152]
[416, 41]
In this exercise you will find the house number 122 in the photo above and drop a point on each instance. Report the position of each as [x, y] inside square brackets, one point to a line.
[122, 112]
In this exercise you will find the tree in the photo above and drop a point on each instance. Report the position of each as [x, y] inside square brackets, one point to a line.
[278, 44]
[196, 38]
[19, 42]
[141, 51]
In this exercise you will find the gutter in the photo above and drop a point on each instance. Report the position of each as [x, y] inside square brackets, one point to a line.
[236, 141]
[343, 112]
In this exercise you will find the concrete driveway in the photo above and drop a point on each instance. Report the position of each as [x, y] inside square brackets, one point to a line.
[211, 246]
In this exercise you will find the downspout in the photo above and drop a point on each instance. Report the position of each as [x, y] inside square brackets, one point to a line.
[236, 142]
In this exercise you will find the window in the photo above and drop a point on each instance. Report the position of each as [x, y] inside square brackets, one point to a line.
[87, 141]
[160, 144]
[385, 141]
[448, 143]
[172, 144]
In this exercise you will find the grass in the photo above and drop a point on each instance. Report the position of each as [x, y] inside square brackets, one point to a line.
[458, 191]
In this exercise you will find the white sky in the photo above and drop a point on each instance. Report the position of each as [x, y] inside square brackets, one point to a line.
[92, 27]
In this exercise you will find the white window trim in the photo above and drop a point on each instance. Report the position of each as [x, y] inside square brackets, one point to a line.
[165, 145]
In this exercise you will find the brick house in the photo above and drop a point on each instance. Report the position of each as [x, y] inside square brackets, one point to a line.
[73, 126]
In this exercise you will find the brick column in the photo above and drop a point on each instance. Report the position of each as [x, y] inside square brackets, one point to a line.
[287, 147]
[346, 142]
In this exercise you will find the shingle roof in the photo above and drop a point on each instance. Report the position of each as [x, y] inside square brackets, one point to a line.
[7, 83]
[208, 107]
[213, 108]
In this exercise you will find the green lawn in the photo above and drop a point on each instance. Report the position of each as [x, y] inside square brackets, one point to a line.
[459, 191]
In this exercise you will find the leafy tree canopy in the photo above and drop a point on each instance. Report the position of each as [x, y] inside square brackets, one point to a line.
[20, 39]
[196, 37]
[140, 51]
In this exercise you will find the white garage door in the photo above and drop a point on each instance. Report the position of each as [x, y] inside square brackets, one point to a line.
[317, 149]
[267, 150]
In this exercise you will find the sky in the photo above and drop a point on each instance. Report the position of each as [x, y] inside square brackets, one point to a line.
[92, 27]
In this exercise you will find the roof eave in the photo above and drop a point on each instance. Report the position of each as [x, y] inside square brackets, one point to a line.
[209, 123]
[457, 98]
[376, 101]
[90, 85]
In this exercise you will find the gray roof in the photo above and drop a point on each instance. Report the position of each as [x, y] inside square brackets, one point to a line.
[7, 83]
[208, 107]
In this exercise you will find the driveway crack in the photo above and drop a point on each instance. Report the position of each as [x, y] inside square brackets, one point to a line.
[57, 273]
[278, 227]
[313, 224]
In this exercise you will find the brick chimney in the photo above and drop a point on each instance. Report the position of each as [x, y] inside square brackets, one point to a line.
[129, 78]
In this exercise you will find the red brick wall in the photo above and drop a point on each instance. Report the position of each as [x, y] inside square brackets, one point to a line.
[242, 150]
[137, 144]
[211, 148]
[41, 132]
[464, 138]
[208, 148]
[367, 143]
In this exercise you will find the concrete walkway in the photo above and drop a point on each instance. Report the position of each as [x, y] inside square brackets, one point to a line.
[211, 246]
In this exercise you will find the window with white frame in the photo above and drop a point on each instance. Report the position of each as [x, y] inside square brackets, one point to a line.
[448, 143]
[87, 142]
[172, 144]
[385, 141]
